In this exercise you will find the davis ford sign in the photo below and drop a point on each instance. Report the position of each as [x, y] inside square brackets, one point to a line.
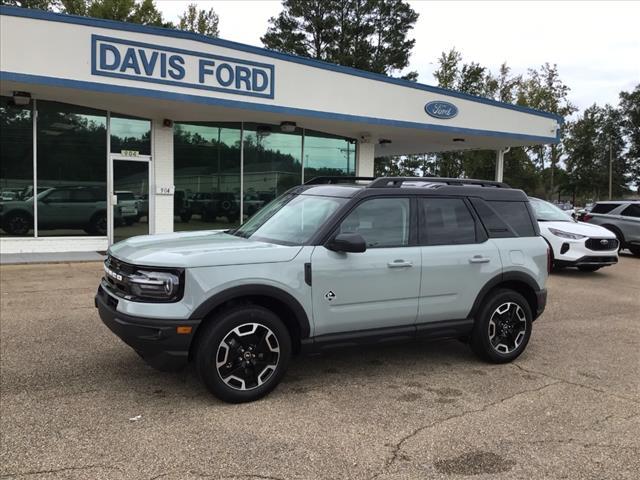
[440, 109]
[117, 58]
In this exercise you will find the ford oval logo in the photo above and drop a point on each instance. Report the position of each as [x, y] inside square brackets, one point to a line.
[440, 109]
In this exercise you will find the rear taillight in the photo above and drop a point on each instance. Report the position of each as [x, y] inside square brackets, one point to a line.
[586, 217]
[549, 261]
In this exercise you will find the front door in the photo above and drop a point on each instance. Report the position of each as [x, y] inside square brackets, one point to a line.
[129, 197]
[374, 289]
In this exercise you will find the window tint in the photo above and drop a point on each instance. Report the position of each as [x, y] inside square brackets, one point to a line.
[604, 207]
[382, 222]
[516, 214]
[632, 210]
[446, 221]
[58, 196]
[84, 195]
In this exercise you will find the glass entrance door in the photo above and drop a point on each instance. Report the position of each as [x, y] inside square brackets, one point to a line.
[129, 198]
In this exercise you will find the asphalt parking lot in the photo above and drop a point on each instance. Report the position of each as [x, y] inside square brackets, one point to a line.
[76, 403]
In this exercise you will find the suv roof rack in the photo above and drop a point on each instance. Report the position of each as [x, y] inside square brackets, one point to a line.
[329, 180]
[396, 182]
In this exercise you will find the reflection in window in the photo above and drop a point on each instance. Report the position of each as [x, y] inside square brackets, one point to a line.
[16, 169]
[130, 133]
[328, 155]
[272, 164]
[447, 221]
[206, 176]
[72, 170]
[382, 222]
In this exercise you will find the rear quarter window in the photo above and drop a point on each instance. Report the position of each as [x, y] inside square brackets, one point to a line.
[516, 214]
[632, 210]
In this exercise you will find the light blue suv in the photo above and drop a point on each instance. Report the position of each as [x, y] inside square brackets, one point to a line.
[334, 262]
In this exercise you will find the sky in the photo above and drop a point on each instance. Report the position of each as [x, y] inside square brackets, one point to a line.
[596, 44]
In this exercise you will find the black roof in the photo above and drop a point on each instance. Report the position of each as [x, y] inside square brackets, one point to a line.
[425, 186]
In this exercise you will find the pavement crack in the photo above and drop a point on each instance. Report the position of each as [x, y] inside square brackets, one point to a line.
[57, 470]
[397, 448]
[576, 384]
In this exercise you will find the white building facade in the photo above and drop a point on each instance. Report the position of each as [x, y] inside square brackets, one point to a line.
[112, 129]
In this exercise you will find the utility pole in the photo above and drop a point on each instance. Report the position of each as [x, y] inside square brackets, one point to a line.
[610, 168]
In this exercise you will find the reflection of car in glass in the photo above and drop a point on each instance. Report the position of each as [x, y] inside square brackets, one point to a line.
[252, 203]
[197, 203]
[127, 206]
[58, 208]
[622, 218]
[8, 196]
[211, 205]
[332, 265]
[573, 243]
[142, 204]
[181, 206]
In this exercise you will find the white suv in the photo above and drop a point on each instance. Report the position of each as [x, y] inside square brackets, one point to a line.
[575, 244]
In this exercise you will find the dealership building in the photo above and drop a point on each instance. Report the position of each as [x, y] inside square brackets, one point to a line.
[111, 129]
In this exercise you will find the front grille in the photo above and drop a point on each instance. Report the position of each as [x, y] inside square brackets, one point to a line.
[601, 244]
[118, 286]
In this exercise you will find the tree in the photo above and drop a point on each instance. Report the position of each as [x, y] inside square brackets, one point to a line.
[544, 90]
[630, 111]
[366, 34]
[199, 21]
[143, 12]
[49, 5]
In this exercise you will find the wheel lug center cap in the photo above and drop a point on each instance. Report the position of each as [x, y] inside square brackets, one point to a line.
[247, 355]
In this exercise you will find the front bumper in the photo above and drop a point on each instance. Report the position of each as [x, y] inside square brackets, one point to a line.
[590, 260]
[155, 340]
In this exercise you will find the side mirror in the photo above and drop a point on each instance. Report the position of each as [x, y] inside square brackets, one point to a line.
[348, 243]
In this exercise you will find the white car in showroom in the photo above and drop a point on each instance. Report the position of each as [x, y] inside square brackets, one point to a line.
[574, 244]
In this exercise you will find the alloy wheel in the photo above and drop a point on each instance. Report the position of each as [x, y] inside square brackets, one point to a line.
[507, 327]
[247, 356]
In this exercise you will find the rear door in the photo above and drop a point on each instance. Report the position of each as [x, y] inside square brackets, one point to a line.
[457, 259]
[377, 288]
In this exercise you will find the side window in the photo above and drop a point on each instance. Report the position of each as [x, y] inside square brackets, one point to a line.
[632, 210]
[382, 222]
[516, 214]
[83, 195]
[446, 221]
[58, 196]
[604, 207]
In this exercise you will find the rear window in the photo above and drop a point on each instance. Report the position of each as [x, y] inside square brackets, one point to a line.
[604, 207]
[632, 210]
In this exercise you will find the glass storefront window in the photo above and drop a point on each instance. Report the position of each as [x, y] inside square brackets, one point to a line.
[206, 176]
[130, 134]
[272, 164]
[328, 155]
[16, 169]
[72, 170]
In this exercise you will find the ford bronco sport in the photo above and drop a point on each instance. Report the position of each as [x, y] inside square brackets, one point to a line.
[332, 264]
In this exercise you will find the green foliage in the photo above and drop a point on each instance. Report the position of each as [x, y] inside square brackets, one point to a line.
[199, 21]
[366, 34]
[630, 112]
[143, 12]
[591, 140]
[49, 5]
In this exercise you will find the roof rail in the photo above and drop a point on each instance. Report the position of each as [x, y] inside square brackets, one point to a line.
[328, 180]
[391, 182]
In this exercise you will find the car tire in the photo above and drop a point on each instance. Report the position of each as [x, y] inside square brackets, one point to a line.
[502, 327]
[18, 224]
[635, 251]
[98, 224]
[260, 345]
[588, 268]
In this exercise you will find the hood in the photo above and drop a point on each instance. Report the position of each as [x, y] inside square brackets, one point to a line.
[581, 228]
[199, 249]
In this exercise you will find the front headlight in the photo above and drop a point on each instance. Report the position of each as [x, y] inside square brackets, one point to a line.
[570, 236]
[148, 285]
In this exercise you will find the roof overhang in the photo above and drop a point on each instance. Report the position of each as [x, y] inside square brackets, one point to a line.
[160, 73]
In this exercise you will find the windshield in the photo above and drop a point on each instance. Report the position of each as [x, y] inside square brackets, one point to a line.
[547, 212]
[290, 219]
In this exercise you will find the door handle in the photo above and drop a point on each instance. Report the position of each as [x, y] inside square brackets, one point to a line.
[399, 264]
[479, 259]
